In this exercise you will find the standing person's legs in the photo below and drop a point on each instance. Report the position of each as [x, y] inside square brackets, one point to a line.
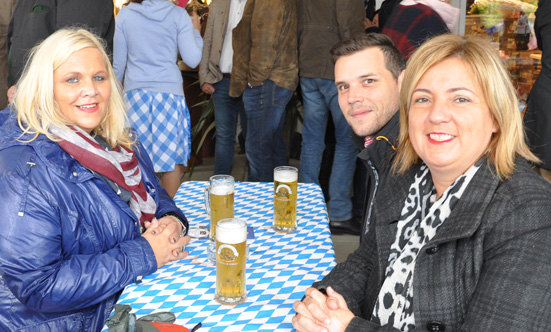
[280, 99]
[243, 119]
[171, 180]
[344, 160]
[313, 130]
[226, 110]
[264, 145]
[242, 136]
[256, 111]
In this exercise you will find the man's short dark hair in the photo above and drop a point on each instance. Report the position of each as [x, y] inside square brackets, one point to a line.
[393, 59]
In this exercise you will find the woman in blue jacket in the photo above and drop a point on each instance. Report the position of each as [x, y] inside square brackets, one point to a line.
[83, 214]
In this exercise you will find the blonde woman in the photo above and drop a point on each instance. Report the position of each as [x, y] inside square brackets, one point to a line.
[76, 191]
[460, 235]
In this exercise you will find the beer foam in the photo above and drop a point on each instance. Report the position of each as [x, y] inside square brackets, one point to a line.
[232, 233]
[222, 190]
[285, 176]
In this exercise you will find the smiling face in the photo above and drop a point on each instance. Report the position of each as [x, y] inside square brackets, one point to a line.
[450, 124]
[368, 93]
[82, 88]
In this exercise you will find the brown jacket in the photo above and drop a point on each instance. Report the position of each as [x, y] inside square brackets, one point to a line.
[265, 45]
[209, 69]
[322, 24]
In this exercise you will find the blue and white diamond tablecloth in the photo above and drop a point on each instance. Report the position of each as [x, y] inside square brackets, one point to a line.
[279, 269]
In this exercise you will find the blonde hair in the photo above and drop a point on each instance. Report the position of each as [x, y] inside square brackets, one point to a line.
[34, 101]
[489, 71]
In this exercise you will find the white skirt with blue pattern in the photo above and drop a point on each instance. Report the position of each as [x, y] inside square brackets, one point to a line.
[163, 124]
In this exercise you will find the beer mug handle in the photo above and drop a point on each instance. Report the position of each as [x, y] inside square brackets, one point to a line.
[207, 199]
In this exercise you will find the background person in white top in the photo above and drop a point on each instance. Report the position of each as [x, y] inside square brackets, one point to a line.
[214, 77]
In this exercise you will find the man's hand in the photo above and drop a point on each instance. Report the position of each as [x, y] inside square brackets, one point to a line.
[207, 88]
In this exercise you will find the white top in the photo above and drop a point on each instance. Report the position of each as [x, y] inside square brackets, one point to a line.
[226, 56]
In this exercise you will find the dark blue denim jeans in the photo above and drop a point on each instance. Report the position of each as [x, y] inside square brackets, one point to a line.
[319, 99]
[264, 144]
[226, 110]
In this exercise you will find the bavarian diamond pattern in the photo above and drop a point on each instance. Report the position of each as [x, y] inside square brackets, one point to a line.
[163, 124]
[279, 269]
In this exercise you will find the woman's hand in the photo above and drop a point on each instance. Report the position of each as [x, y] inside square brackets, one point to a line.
[320, 313]
[164, 238]
[311, 312]
[338, 310]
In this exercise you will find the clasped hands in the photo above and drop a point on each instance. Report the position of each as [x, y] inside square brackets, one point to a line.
[164, 238]
[320, 313]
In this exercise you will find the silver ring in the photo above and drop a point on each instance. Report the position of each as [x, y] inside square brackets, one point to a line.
[182, 248]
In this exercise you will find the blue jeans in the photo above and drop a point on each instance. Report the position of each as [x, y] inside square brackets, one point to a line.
[264, 144]
[319, 98]
[226, 109]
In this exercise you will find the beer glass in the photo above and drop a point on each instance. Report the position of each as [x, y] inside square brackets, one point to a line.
[285, 199]
[231, 255]
[219, 200]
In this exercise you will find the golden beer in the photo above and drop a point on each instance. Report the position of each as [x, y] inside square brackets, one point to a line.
[231, 257]
[285, 199]
[221, 207]
[219, 200]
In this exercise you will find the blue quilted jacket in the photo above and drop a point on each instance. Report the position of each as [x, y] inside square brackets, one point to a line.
[68, 243]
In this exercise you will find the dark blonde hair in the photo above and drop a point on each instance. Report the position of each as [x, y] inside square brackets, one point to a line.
[34, 101]
[489, 71]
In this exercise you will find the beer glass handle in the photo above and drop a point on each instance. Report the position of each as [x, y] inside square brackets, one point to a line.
[207, 199]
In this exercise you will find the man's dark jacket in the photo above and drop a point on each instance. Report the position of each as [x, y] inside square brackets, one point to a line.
[377, 158]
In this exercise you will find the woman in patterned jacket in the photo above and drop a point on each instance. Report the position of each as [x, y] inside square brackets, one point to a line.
[461, 232]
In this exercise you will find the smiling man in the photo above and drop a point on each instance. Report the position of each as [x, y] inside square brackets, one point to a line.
[368, 75]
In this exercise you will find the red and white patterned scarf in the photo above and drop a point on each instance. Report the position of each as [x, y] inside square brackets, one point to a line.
[118, 165]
